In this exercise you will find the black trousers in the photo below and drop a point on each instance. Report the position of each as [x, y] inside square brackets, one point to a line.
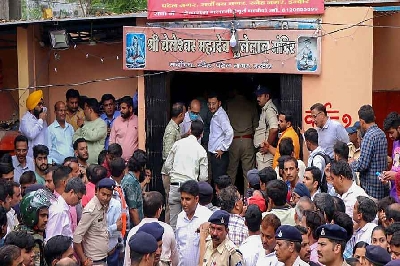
[219, 166]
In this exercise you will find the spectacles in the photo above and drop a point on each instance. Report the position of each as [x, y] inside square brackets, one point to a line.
[315, 116]
[79, 197]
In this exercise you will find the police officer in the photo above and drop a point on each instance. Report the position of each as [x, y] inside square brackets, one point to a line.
[376, 256]
[288, 245]
[267, 130]
[91, 236]
[331, 245]
[243, 116]
[143, 247]
[219, 250]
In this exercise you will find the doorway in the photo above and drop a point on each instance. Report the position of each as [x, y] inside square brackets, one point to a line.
[162, 90]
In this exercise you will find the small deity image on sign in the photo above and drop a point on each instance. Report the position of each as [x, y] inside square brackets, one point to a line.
[307, 55]
[135, 50]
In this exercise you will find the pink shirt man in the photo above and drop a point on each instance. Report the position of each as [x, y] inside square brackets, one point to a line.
[125, 133]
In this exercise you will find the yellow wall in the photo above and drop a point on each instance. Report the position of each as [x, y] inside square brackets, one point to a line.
[386, 53]
[347, 64]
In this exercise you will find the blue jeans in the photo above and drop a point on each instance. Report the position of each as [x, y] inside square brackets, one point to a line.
[113, 259]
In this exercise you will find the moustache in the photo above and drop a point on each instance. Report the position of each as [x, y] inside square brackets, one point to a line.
[215, 237]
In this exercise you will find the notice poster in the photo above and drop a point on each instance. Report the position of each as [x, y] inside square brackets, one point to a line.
[185, 9]
[210, 50]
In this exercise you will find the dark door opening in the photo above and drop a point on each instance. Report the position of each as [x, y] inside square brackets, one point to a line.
[166, 89]
[185, 87]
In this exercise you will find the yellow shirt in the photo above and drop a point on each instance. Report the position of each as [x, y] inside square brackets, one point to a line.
[288, 133]
[73, 118]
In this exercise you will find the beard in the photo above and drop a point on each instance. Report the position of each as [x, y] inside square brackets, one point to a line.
[126, 115]
[43, 167]
[36, 112]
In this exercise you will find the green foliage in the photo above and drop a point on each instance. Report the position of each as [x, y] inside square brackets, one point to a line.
[31, 12]
[119, 6]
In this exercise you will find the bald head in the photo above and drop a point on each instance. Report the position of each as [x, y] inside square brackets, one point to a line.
[59, 109]
[195, 106]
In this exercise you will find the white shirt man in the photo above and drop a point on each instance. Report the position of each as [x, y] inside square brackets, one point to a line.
[221, 132]
[269, 259]
[350, 197]
[33, 123]
[187, 160]
[250, 249]
[187, 238]
[317, 160]
[59, 222]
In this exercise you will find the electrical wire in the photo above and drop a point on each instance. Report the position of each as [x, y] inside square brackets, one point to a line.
[347, 26]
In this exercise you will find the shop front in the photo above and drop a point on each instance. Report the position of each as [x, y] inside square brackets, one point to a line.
[182, 64]
[302, 59]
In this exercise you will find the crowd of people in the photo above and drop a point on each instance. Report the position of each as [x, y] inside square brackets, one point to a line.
[79, 191]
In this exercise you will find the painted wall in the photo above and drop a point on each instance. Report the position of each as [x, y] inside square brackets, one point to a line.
[72, 66]
[387, 53]
[347, 63]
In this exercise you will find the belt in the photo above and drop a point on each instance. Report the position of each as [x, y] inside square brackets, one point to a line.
[102, 260]
[176, 184]
[249, 136]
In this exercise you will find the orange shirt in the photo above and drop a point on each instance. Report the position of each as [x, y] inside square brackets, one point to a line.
[288, 133]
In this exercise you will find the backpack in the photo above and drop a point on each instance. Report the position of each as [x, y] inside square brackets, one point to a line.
[328, 160]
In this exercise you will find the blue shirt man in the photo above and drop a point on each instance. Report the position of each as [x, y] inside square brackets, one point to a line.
[109, 115]
[59, 137]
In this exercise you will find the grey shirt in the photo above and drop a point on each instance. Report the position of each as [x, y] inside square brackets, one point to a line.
[331, 133]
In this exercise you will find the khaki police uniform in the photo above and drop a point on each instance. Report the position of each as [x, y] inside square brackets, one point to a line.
[92, 232]
[243, 116]
[225, 254]
[268, 120]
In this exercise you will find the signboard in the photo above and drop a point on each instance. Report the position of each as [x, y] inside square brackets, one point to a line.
[209, 50]
[184, 9]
